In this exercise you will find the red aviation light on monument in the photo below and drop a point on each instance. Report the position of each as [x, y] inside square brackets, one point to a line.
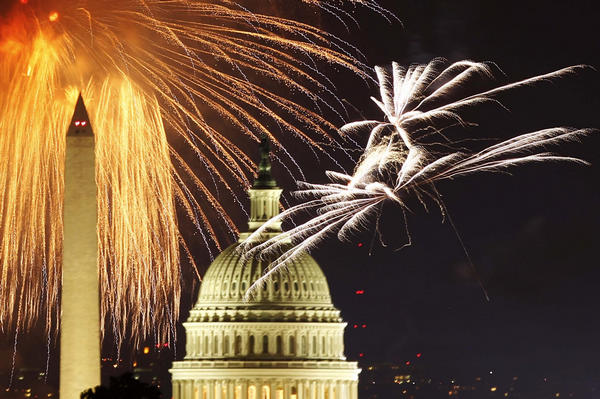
[80, 124]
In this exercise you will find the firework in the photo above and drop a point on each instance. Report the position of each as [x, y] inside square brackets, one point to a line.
[407, 153]
[148, 70]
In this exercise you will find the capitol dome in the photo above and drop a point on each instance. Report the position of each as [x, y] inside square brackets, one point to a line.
[286, 342]
[298, 293]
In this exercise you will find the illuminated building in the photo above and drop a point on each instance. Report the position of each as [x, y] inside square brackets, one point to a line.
[286, 342]
[80, 307]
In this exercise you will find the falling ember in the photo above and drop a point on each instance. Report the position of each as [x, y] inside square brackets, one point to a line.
[407, 153]
[149, 70]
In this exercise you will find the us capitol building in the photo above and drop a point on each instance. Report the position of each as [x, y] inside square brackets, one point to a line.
[287, 342]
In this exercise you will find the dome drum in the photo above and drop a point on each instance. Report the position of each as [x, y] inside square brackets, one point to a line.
[323, 341]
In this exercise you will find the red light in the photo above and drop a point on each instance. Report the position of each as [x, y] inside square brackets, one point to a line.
[83, 123]
[24, 1]
[419, 354]
[355, 326]
[359, 292]
[361, 355]
[364, 326]
[360, 244]
[77, 123]
[166, 344]
[407, 363]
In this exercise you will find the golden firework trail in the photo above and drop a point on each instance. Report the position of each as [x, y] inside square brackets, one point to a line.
[406, 154]
[148, 70]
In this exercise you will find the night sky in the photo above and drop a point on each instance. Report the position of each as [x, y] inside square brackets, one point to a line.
[532, 235]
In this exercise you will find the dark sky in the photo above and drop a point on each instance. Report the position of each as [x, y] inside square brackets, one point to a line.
[532, 236]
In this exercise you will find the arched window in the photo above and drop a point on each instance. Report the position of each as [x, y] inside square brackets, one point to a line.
[314, 345]
[323, 345]
[215, 344]
[206, 344]
[266, 393]
[252, 392]
[251, 345]
[292, 349]
[265, 348]
[303, 349]
[279, 342]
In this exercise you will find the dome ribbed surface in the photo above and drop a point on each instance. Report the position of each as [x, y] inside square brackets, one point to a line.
[300, 288]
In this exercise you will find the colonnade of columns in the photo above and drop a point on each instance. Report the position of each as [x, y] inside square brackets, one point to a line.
[231, 343]
[264, 389]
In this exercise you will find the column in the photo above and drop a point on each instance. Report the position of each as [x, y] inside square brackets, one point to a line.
[286, 389]
[300, 389]
[210, 389]
[176, 394]
[245, 339]
[353, 390]
[230, 389]
[330, 385]
[244, 389]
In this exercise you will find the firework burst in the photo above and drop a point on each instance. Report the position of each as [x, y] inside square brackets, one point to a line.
[148, 70]
[407, 153]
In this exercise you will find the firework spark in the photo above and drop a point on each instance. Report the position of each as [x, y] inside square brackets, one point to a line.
[407, 154]
[148, 70]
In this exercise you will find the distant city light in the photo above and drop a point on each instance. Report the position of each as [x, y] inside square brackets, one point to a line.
[493, 389]
[146, 350]
[360, 244]
[419, 354]
[53, 16]
[361, 354]
[408, 363]
[364, 326]
[359, 292]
